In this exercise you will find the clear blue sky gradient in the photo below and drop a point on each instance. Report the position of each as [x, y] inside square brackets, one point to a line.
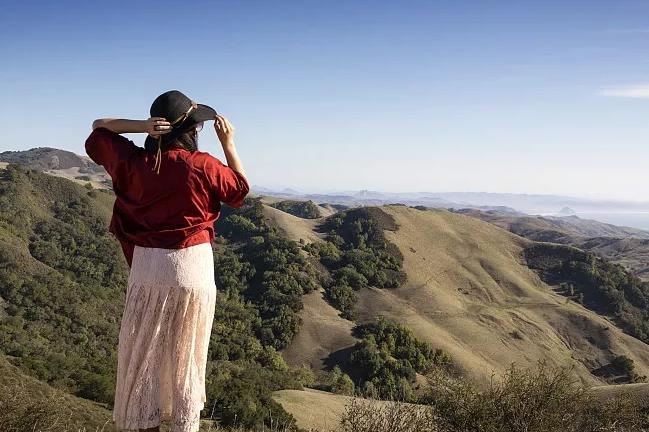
[499, 96]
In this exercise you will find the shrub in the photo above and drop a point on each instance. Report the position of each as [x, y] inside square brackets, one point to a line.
[624, 364]
[343, 298]
[368, 416]
[303, 209]
[357, 254]
[542, 400]
[389, 357]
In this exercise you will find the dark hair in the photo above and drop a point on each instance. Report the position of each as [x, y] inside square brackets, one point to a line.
[187, 140]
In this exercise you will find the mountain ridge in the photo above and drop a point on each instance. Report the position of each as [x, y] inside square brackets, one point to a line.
[62, 163]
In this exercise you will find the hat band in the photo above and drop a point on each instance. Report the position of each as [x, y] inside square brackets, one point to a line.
[184, 116]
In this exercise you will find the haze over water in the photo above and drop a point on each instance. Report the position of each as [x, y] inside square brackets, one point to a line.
[634, 220]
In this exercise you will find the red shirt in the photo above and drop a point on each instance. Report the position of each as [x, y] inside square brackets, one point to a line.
[174, 209]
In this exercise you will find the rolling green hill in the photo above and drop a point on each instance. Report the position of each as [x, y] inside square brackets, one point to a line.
[62, 285]
[62, 282]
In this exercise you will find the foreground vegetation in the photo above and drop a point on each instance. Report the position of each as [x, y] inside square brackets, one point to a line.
[537, 400]
[540, 400]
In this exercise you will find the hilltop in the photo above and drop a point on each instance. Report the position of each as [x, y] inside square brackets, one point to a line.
[623, 245]
[60, 163]
[557, 229]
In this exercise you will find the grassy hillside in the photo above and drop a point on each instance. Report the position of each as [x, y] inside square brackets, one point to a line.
[28, 404]
[47, 158]
[62, 281]
[292, 227]
[595, 283]
[632, 253]
[470, 293]
[621, 245]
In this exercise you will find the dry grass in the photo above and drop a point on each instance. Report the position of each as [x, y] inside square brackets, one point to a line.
[96, 179]
[27, 404]
[368, 416]
[294, 228]
[539, 399]
[638, 392]
[323, 331]
[320, 411]
[520, 401]
[314, 409]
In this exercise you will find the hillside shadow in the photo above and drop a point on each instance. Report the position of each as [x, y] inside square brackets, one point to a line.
[611, 373]
[340, 358]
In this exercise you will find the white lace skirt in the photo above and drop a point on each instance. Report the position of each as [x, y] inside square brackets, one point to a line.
[163, 339]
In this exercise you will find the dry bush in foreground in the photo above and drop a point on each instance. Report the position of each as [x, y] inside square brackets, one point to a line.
[368, 416]
[542, 400]
[214, 427]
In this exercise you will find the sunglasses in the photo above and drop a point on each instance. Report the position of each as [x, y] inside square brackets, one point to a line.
[199, 126]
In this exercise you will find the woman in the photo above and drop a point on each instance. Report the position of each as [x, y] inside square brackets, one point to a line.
[168, 197]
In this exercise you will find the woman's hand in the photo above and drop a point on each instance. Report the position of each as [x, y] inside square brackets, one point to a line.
[224, 130]
[157, 126]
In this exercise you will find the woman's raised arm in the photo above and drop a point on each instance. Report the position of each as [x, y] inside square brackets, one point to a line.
[225, 133]
[153, 126]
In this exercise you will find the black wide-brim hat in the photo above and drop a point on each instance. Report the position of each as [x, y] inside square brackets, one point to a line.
[180, 111]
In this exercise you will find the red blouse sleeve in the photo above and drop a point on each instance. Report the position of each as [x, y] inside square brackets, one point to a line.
[108, 148]
[229, 186]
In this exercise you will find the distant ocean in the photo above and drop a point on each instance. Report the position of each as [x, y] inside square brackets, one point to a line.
[634, 220]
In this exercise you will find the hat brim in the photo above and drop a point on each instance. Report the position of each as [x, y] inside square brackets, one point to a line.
[201, 113]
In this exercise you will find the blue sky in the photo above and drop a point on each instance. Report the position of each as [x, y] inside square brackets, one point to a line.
[498, 96]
